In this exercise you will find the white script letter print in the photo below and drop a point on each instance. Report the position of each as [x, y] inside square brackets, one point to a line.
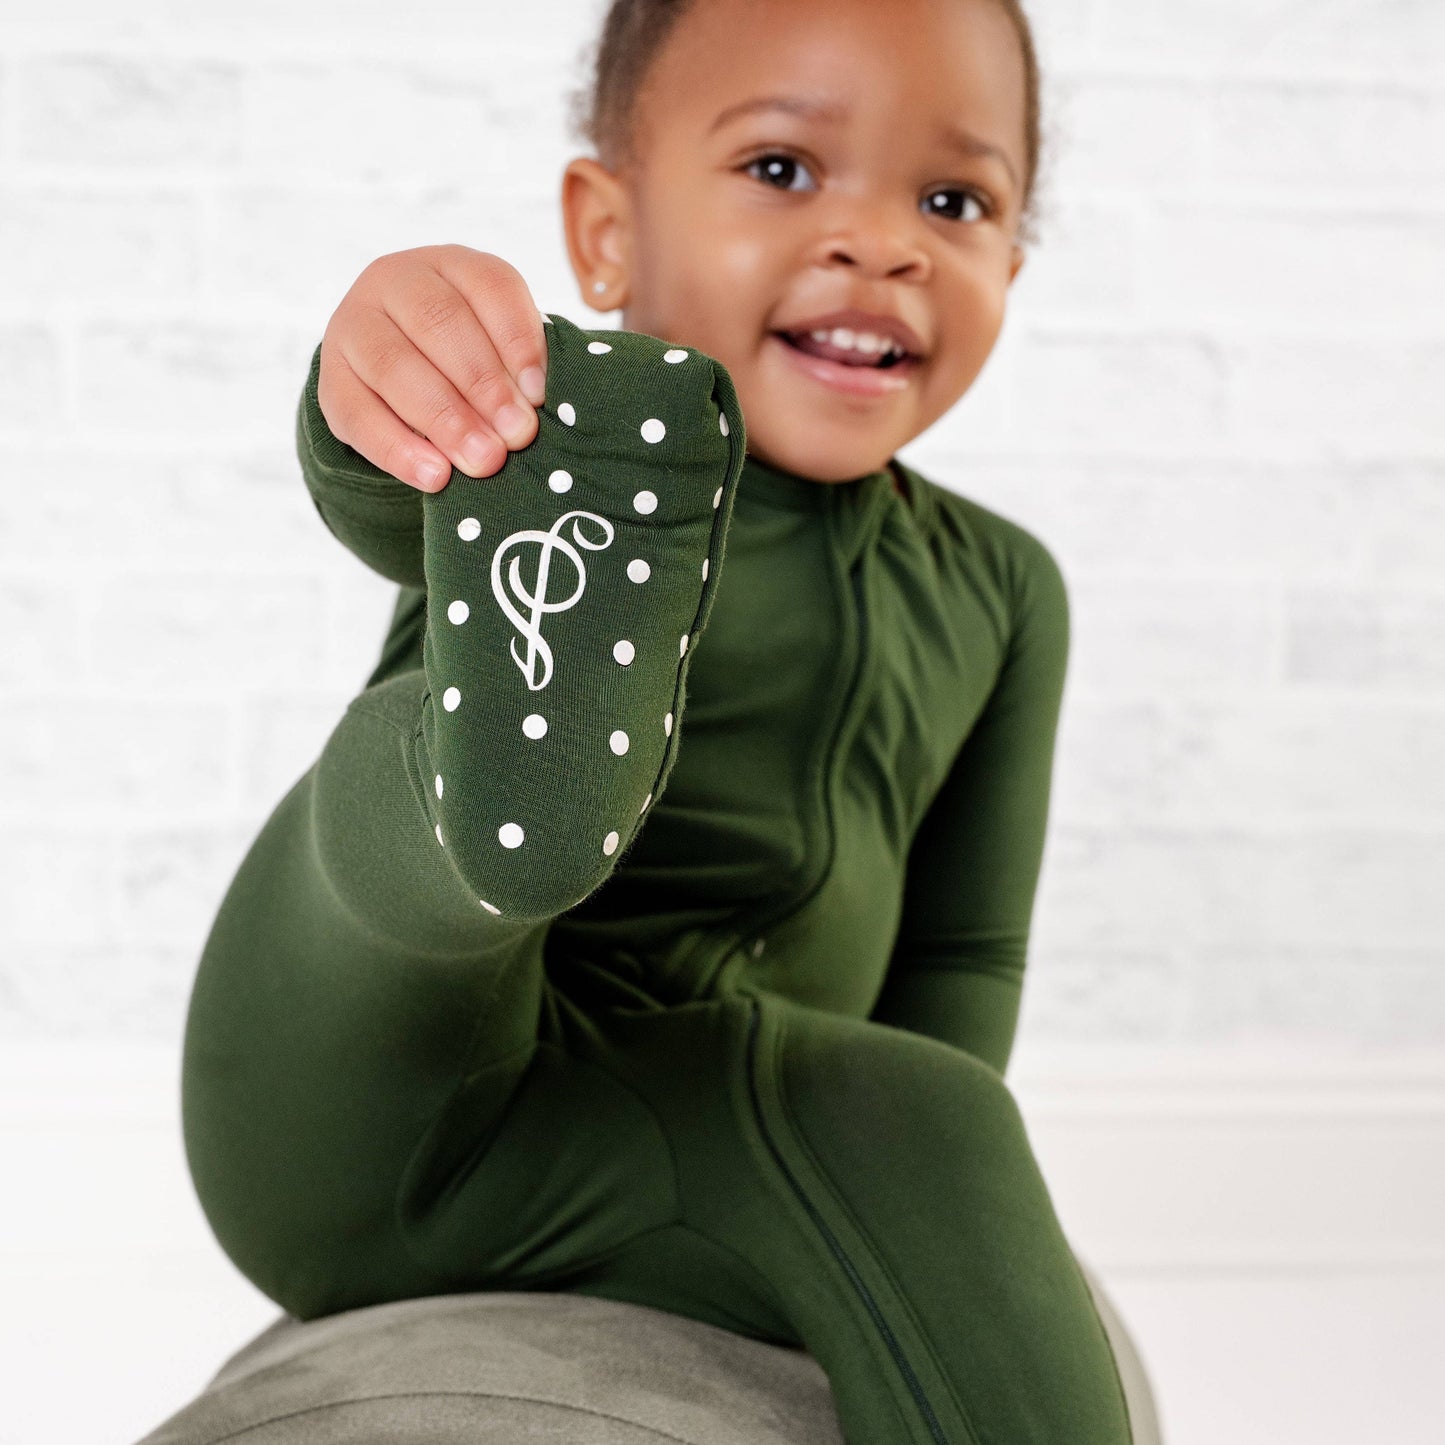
[530, 626]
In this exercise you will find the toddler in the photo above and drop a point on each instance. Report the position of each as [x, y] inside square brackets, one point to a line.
[652, 924]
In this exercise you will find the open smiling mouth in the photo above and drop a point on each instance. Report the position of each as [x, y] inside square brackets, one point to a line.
[850, 372]
[807, 343]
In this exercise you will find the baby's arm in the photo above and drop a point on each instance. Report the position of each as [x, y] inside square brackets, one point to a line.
[958, 964]
[367, 510]
[430, 368]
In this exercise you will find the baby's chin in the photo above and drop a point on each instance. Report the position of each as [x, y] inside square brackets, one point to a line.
[820, 460]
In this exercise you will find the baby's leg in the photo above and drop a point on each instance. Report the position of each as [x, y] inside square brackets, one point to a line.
[378, 958]
[802, 1178]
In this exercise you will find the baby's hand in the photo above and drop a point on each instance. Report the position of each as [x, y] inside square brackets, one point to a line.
[439, 344]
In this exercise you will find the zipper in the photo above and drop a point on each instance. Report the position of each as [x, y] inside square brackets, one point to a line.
[889, 1338]
[757, 929]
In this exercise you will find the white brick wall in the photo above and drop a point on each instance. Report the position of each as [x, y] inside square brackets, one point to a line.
[1216, 398]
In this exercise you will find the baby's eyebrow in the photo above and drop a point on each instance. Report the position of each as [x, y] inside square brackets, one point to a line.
[833, 112]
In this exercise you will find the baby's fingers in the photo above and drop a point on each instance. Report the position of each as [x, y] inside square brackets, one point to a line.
[498, 295]
[407, 384]
[396, 443]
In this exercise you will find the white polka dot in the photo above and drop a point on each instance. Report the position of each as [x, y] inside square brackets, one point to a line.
[458, 612]
[675, 355]
[722, 422]
[653, 430]
[597, 348]
[510, 835]
[610, 842]
[704, 569]
[667, 724]
[757, 947]
[618, 742]
[490, 907]
[439, 785]
[645, 802]
[624, 651]
[534, 725]
[717, 497]
[682, 646]
[452, 699]
[439, 835]
[469, 529]
[645, 502]
[560, 481]
[638, 570]
[568, 413]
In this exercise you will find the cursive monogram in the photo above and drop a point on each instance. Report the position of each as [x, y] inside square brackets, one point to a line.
[530, 626]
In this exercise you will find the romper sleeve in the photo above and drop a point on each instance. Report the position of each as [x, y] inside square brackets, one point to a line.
[956, 972]
[373, 514]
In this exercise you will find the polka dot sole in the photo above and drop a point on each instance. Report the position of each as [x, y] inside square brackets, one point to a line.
[566, 597]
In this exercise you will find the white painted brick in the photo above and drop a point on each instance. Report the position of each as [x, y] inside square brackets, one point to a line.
[110, 991]
[1187, 517]
[54, 885]
[306, 251]
[1156, 639]
[1367, 640]
[1321, 271]
[1085, 270]
[103, 110]
[404, 120]
[1386, 37]
[1060, 29]
[40, 620]
[80, 756]
[205, 634]
[281, 736]
[112, 510]
[1116, 995]
[1333, 137]
[359, 607]
[1228, 463]
[169, 882]
[1121, 394]
[1397, 519]
[33, 396]
[1371, 398]
[188, 383]
[1151, 887]
[1374, 996]
[116, 246]
[1369, 888]
[1127, 132]
[1256, 762]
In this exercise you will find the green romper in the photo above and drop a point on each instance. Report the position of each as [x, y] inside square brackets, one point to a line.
[652, 924]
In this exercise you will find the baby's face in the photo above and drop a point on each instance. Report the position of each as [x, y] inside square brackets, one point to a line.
[741, 223]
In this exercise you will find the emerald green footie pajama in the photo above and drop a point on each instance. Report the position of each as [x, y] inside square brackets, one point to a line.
[652, 924]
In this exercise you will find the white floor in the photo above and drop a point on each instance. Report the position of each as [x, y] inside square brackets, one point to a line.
[1322, 1326]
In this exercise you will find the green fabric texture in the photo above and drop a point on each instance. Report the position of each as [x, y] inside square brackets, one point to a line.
[724, 1032]
[864, 790]
[563, 595]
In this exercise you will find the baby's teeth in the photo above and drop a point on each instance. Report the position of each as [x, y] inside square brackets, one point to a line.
[864, 341]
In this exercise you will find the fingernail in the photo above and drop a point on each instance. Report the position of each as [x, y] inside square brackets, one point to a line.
[475, 449]
[534, 385]
[511, 422]
[432, 473]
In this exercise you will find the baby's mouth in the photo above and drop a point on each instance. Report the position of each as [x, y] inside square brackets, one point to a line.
[891, 359]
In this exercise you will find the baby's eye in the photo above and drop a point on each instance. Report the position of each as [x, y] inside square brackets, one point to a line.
[776, 163]
[982, 201]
